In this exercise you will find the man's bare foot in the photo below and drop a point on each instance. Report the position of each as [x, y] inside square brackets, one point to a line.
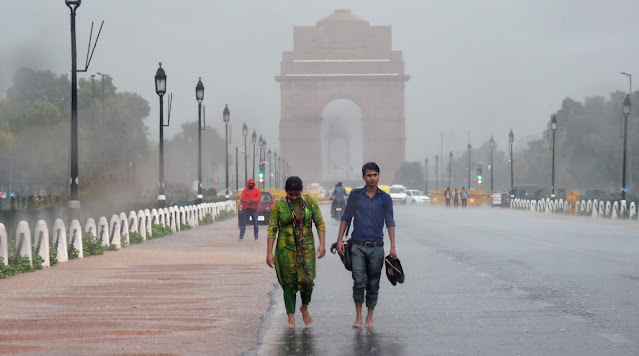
[291, 321]
[305, 315]
[369, 323]
[358, 321]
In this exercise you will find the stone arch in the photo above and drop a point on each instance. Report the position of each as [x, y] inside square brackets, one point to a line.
[342, 57]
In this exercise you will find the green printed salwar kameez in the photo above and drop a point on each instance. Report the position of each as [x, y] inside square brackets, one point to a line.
[295, 254]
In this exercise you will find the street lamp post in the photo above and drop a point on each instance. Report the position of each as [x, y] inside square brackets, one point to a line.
[553, 127]
[74, 200]
[226, 115]
[237, 173]
[426, 176]
[436, 172]
[160, 89]
[469, 148]
[270, 170]
[450, 166]
[629, 147]
[199, 96]
[492, 144]
[275, 164]
[245, 133]
[254, 139]
[626, 113]
[511, 138]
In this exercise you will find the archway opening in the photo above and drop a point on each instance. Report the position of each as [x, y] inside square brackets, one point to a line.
[342, 141]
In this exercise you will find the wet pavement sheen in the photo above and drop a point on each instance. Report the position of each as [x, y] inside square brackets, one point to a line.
[479, 281]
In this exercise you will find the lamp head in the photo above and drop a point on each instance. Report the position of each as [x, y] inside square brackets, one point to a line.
[73, 4]
[160, 81]
[511, 136]
[469, 147]
[226, 114]
[553, 123]
[450, 155]
[269, 153]
[254, 137]
[199, 90]
[492, 142]
[244, 130]
[626, 106]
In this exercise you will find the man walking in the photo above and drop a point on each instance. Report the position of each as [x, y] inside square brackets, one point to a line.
[250, 198]
[464, 197]
[371, 208]
[447, 196]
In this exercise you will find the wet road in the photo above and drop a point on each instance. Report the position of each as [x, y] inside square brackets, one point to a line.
[480, 281]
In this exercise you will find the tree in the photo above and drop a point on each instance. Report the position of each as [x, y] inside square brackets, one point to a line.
[410, 175]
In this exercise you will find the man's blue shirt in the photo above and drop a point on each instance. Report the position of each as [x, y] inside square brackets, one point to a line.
[370, 215]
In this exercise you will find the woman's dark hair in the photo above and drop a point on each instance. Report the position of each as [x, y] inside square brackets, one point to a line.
[294, 184]
[370, 166]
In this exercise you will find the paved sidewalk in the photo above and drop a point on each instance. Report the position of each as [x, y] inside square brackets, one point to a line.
[196, 292]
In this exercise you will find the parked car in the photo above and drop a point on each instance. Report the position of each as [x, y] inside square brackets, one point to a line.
[398, 193]
[263, 210]
[416, 197]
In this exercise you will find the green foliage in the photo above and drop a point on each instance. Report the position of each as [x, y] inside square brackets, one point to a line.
[135, 237]
[22, 265]
[123, 240]
[53, 255]
[112, 247]
[38, 261]
[207, 219]
[91, 246]
[74, 254]
[225, 214]
[161, 231]
[184, 226]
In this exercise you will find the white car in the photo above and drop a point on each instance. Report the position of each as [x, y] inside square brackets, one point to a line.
[417, 197]
[398, 193]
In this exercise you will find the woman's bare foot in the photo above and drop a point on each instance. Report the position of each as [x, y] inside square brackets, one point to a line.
[358, 321]
[305, 315]
[291, 321]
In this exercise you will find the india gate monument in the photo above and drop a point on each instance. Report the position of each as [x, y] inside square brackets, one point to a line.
[342, 100]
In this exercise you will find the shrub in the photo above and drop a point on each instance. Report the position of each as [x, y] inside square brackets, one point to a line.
[207, 219]
[53, 255]
[91, 246]
[161, 231]
[135, 237]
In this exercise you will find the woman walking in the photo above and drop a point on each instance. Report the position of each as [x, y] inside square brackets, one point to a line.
[294, 259]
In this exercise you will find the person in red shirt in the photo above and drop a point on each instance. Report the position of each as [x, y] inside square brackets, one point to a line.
[250, 198]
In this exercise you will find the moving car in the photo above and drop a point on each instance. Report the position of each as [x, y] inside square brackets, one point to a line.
[398, 193]
[263, 210]
[417, 197]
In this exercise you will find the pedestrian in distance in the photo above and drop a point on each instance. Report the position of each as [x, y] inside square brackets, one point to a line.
[250, 199]
[291, 221]
[371, 208]
[338, 196]
[456, 198]
[447, 196]
[464, 197]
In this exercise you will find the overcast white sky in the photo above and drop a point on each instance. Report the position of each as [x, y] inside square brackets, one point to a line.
[478, 67]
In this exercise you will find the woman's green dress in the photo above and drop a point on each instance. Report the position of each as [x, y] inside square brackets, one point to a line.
[295, 256]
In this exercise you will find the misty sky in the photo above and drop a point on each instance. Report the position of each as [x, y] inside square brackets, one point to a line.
[476, 67]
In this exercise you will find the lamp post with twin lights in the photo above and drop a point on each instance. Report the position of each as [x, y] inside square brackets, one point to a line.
[226, 115]
[270, 170]
[199, 96]
[74, 199]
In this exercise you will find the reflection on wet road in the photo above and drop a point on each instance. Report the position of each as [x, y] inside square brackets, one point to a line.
[479, 281]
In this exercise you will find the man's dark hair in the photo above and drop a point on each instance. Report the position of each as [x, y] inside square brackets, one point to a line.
[294, 184]
[370, 166]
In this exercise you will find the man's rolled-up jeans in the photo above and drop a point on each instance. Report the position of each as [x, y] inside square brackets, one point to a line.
[245, 215]
[367, 269]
